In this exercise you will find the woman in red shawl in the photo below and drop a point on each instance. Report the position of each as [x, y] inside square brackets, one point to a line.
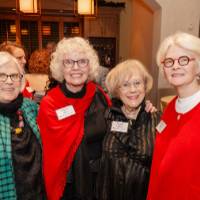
[71, 121]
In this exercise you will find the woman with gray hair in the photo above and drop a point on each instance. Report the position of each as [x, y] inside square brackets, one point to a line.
[71, 121]
[18, 52]
[175, 170]
[20, 148]
[129, 140]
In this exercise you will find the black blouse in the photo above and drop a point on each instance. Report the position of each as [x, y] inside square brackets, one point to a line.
[81, 180]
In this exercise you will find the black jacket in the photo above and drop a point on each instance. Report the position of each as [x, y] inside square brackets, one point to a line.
[81, 181]
[126, 159]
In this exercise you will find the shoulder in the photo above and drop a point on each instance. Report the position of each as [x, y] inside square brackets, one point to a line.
[114, 112]
[100, 93]
[100, 102]
[29, 108]
[52, 96]
[29, 103]
[155, 117]
[170, 106]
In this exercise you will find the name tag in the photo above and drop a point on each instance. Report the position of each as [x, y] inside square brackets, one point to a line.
[119, 126]
[161, 126]
[65, 112]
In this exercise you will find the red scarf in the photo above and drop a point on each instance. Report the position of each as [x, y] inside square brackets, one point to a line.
[61, 138]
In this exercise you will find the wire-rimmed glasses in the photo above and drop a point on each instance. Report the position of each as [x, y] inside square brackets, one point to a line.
[128, 84]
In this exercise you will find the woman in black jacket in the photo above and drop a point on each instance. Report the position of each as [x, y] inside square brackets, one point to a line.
[128, 144]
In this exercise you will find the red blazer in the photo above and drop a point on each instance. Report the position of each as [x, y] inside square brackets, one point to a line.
[175, 173]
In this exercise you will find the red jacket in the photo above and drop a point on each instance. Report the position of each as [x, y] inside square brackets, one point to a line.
[175, 173]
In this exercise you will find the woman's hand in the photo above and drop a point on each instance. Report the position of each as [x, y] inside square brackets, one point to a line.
[150, 107]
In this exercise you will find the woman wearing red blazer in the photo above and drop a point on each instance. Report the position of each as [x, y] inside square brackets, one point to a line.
[175, 170]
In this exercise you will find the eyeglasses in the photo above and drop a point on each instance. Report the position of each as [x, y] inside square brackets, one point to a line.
[13, 77]
[182, 61]
[138, 84]
[69, 63]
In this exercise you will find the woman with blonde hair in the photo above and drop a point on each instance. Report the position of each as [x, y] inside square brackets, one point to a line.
[71, 121]
[129, 140]
[175, 170]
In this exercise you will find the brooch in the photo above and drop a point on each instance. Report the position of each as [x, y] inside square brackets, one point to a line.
[18, 130]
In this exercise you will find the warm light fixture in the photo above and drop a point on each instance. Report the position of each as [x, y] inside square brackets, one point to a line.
[85, 7]
[29, 7]
[13, 29]
[75, 30]
[46, 30]
[24, 31]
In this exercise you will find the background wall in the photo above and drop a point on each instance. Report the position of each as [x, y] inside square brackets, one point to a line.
[145, 23]
[139, 35]
[177, 15]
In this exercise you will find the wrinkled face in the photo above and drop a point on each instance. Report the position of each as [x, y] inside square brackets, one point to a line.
[19, 54]
[76, 70]
[132, 91]
[181, 75]
[9, 89]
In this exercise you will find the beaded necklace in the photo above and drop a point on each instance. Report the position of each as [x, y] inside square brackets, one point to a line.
[18, 130]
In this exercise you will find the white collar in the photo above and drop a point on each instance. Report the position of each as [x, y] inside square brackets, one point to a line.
[184, 105]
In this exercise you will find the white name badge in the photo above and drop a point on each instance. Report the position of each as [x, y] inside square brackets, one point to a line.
[65, 112]
[119, 126]
[161, 126]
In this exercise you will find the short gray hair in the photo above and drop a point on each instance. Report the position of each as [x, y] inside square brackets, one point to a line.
[183, 40]
[5, 58]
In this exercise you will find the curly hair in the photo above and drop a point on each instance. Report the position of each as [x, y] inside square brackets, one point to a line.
[73, 44]
[39, 62]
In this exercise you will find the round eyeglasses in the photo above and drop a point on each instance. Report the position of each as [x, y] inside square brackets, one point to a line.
[69, 63]
[13, 77]
[182, 61]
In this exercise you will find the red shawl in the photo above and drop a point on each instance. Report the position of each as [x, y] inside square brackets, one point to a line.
[61, 138]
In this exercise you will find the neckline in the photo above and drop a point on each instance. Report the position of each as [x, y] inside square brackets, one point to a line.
[130, 115]
[184, 105]
[70, 94]
[12, 107]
